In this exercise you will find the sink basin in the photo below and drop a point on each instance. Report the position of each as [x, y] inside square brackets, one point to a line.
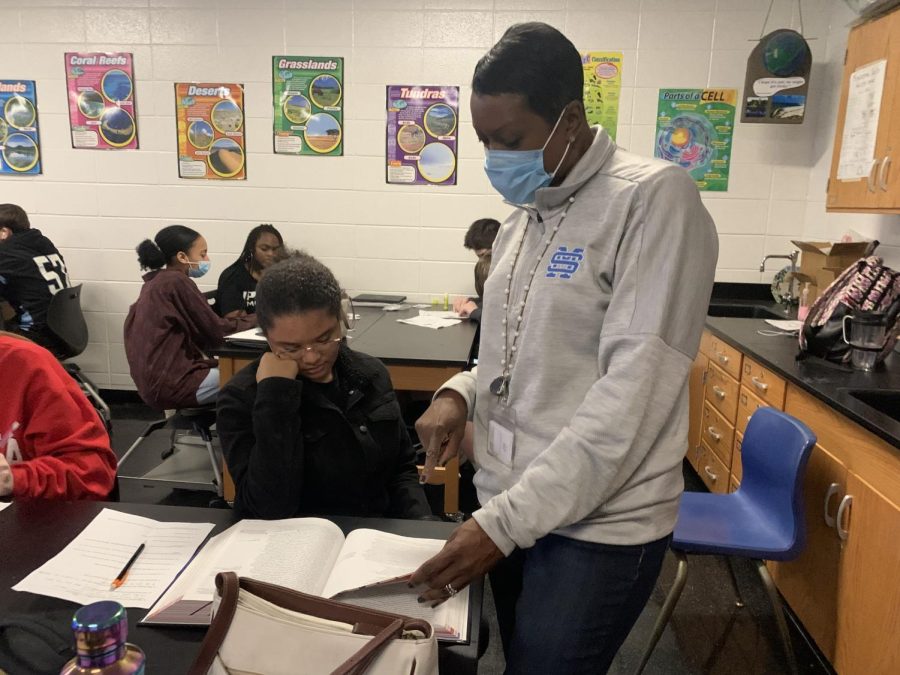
[885, 401]
[743, 312]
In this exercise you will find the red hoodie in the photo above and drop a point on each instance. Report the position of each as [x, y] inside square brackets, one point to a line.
[52, 441]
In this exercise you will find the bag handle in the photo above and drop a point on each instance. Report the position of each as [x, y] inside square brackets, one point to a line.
[361, 660]
[229, 586]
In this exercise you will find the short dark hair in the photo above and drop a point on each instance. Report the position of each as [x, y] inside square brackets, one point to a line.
[253, 237]
[482, 269]
[481, 234]
[298, 284]
[536, 61]
[14, 217]
[168, 242]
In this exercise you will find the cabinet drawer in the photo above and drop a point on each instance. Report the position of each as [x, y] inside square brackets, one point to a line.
[748, 402]
[717, 433]
[737, 459]
[734, 485]
[725, 356]
[764, 383]
[705, 341]
[713, 472]
[722, 391]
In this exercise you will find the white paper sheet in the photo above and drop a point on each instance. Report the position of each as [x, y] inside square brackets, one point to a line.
[861, 121]
[441, 314]
[426, 321]
[83, 571]
[3, 505]
[250, 335]
[785, 324]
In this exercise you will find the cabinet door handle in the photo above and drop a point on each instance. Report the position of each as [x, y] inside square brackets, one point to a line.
[723, 358]
[870, 179]
[713, 477]
[715, 434]
[839, 518]
[831, 492]
[883, 172]
[719, 392]
[762, 386]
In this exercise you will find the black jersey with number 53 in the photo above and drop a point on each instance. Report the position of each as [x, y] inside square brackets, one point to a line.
[31, 272]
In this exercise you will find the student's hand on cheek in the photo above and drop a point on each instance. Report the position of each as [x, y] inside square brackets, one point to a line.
[271, 366]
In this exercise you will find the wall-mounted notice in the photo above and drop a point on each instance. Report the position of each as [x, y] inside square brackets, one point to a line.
[210, 131]
[101, 100]
[20, 144]
[694, 129]
[308, 95]
[602, 84]
[861, 121]
[422, 123]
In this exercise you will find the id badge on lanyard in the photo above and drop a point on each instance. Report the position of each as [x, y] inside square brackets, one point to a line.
[502, 432]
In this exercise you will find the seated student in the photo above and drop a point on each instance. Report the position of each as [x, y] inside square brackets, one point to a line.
[479, 238]
[171, 324]
[236, 295]
[313, 426]
[31, 271]
[53, 444]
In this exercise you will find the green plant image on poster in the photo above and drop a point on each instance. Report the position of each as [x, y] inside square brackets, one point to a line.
[308, 100]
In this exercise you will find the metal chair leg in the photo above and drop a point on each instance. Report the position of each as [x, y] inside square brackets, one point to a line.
[150, 428]
[665, 613]
[206, 435]
[729, 562]
[780, 621]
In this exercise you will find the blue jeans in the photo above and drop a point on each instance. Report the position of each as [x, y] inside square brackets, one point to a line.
[208, 391]
[566, 606]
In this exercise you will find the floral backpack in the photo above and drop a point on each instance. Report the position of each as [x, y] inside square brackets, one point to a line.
[866, 286]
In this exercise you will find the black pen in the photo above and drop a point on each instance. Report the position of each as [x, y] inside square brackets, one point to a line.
[119, 580]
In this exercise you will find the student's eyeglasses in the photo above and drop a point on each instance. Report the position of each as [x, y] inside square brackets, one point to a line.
[295, 352]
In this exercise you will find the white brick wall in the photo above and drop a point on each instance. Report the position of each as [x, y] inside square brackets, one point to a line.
[97, 206]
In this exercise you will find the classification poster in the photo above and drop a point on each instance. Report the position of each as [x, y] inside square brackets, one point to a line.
[694, 129]
[422, 123]
[308, 96]
[101, 100]
[210, 131]
[20, 145]
[602, 84]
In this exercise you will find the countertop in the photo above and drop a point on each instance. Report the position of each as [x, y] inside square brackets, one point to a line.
[828, 382]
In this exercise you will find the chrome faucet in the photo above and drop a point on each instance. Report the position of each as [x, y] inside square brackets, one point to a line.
[788, 298]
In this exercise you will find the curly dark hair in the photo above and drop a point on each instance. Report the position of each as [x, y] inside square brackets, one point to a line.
[481, 234]
[297, 284]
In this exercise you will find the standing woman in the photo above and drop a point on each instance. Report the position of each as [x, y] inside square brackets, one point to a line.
[236, 295]
[171, 324]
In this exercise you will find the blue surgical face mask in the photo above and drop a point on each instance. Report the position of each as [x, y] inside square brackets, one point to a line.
[201, 269]
[518, 174]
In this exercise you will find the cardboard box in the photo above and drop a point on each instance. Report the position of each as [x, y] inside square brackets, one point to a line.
[821, 262]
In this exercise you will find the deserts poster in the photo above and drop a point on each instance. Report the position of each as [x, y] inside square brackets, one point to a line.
[101, 100]
[694, 129]
[210, 131]
[422, 124]
[602, 85]
[20, 145]
[308, 96]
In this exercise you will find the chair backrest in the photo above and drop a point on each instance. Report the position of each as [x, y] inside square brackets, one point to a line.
[775, 450]
[212, 299]
[66, 321]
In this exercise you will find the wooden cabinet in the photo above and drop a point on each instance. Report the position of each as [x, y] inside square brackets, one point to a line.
[696, 385]
[880, 192]
[764, 384]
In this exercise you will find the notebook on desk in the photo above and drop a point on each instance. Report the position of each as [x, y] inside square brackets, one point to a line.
[252, 337]
[376, 300]
[311, 555]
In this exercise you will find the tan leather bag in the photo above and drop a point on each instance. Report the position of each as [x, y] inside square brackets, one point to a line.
[265, 629]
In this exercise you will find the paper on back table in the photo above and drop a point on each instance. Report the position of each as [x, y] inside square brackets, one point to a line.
[83, 571]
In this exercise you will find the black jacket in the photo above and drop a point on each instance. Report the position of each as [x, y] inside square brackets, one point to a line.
[31, 271]
[292, 450]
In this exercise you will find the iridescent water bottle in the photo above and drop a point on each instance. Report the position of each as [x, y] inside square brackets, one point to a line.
[101, 631]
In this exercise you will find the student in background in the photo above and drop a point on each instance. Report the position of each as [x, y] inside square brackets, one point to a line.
[171, 324]
[236, 295]
[53, 444]
[31, 272]
[313, 426]
[480, 239]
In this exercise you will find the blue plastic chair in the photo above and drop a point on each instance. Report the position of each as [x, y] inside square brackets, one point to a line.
[763, 520]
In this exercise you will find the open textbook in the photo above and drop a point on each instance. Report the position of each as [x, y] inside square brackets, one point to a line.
[312, 556]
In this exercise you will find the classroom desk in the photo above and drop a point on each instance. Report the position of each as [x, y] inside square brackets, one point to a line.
[33, 532]
[418, 359]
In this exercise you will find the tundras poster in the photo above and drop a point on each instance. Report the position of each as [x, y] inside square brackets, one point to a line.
[20, 145]
[694, 129]
[422, 123]
[101, 100]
